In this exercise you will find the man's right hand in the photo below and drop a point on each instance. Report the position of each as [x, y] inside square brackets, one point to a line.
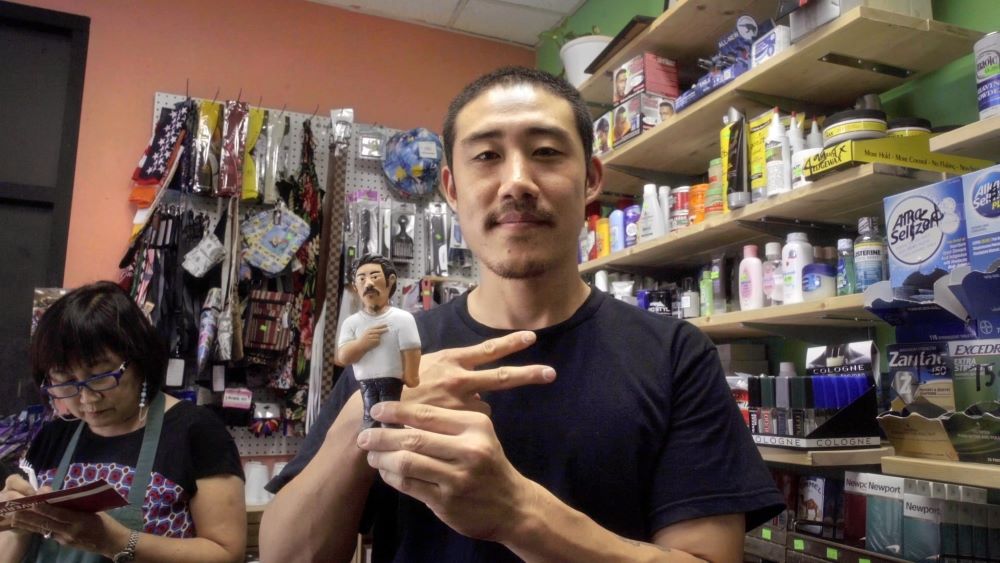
[448, 378]
[372, 336]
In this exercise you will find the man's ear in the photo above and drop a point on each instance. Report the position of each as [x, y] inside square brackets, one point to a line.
[447, 188]
[595, 179]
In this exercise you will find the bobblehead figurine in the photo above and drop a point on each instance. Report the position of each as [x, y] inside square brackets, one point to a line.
[380, 341]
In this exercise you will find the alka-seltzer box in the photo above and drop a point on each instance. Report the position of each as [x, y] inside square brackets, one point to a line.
[645, 73]
[603, 140]
[982, 216]
[920, 371]
[637, 114]
[925, 233]
[975, 371]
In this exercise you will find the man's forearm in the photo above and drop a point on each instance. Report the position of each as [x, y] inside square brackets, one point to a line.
[551, 531]
[316, 516]
[350, 353]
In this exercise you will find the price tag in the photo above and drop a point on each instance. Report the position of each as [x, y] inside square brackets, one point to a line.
[831, 553]
[799, 545]
[236, 398]
[175, 372]
[766, 533]
[864, 560]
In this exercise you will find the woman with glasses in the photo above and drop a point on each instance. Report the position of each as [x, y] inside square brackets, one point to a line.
[101, 364]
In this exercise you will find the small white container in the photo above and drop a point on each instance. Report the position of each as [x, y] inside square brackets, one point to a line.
[819, 281]
[796, 254]
[751, 280]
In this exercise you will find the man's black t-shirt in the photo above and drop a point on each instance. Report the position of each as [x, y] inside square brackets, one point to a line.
[194, 444]
[638, 430]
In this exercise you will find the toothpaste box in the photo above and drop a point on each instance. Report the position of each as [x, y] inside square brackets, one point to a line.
[926, 236]
[975, 369]
[982, 213]
[645, 73]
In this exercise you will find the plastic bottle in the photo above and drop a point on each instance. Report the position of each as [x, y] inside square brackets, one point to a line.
[632, 214]
[663, 196]
[796, 136]
[651, 219]
[869, 254]
[603, 237]
[815, 138]
[690, 303]
[847, 282]
[617, 222]
[774, 275]
[778, 157]
[751, 279]
[794, 257]
[706, 299]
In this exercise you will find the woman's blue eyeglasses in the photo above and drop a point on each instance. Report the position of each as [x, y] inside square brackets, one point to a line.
[99, 382]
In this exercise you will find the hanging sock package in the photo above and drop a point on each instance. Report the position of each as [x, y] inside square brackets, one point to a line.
[235, 120]
[276, 129]
[159, 160]
[206, 145]
[255, 123]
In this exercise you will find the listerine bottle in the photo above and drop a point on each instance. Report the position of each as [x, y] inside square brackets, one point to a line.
[869, 254]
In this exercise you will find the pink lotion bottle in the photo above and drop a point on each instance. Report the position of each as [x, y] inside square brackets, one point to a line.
[751, 280]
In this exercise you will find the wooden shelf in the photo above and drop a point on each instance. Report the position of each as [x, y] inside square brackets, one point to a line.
[980, 139]
[687, 141]
[963, 473]
[683, 33]
[765, 550]
[839, 198]
[825, 458]
[847, 311]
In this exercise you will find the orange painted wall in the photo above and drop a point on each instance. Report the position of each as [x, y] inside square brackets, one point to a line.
[287, 51]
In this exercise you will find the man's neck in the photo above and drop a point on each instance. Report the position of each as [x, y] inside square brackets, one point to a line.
[527, 304]
[373, 311]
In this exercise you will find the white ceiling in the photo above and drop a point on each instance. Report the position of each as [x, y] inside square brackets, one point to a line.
[513, 21]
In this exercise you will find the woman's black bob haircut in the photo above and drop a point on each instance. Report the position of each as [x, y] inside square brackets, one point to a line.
[86, 324]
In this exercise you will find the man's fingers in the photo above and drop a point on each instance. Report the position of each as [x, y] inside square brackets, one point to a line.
[424, 417]
[421, 490]
[408, 439]
[493, 349]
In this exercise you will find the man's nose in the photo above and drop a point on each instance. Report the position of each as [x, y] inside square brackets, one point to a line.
[517, 181]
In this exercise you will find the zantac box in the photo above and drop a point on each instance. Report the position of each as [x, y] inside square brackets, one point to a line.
[647, 73]
[982, 214]
[925, 234]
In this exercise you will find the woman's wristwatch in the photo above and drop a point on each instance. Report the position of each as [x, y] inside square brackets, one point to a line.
[127, 554]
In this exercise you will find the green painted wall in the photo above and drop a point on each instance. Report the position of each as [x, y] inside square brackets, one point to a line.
[610, 16]
[948, 96]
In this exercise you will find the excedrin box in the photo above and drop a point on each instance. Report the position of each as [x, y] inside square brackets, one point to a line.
[975, 367]
[645, 73]
[982, 213]
[926, 236]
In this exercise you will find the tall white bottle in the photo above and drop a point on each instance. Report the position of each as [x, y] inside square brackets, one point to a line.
[751, 280]
[778, 157]
[651, 223]
[796, 254]
[774, 275]
[815, 139]
[663, 196]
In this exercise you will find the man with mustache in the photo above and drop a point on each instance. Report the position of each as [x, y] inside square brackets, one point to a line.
[552, 422]
[380, 341]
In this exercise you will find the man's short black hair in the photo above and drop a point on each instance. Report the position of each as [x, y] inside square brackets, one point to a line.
[513, 75]
[94, 320]
[620, 72]
[388, 269]
[602, 125]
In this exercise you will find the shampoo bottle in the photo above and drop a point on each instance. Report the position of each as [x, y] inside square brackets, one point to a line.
[651, 220]
[617, 222]
[632, 214]
[663, 196]
[778, 158]
[846, 278]
[774, 275]
[751, 280]
[794, 257]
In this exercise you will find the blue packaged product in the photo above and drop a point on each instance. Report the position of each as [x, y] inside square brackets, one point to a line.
[925, 236]
[921, 522]
[982, 212]
[884, 515]
[632, 214]
[919, 370]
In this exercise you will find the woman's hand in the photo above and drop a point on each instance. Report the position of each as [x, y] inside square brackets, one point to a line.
[93, 532]
[14, 488]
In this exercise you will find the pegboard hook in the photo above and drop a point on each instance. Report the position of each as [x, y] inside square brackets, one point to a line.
[315, 111]
[239, 95]
[216, 96]
[187, 88]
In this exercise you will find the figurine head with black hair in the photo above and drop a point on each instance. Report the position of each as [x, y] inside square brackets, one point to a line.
[601, 131]
[374, 278]
[621, 82]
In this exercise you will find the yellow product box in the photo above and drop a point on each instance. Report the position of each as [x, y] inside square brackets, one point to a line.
[910, 152]
[758, 136]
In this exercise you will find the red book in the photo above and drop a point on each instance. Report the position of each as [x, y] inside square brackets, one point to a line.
[92, 497]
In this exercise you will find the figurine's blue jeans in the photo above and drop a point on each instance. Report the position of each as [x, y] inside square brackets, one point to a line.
[374, 391]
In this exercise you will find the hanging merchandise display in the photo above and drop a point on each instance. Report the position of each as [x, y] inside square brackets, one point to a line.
[273, 237]
[413, 161]
[158, 162]
[255, 125]
[206, 149]
[234, 137]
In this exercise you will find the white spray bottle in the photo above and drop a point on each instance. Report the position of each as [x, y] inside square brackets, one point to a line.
[651, 218]
[778, 157]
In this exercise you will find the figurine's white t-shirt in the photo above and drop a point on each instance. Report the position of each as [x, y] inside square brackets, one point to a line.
[384, 360]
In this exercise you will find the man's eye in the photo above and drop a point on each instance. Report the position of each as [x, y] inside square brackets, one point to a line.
[486, 155]
[547, 151]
